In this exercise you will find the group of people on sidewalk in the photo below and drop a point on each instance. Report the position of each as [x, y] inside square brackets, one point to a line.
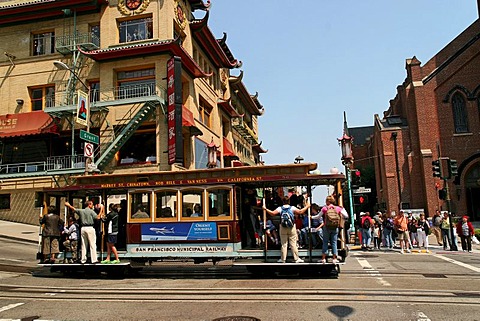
[79, 231]
[383, 229]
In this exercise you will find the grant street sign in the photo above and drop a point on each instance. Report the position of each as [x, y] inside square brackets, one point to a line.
[89, 137]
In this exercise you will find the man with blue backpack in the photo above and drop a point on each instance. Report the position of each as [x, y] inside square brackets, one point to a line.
[288, 231]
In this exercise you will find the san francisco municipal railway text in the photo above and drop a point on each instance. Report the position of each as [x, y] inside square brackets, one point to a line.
[175, 249]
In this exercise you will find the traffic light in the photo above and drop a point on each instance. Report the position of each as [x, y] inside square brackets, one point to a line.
[442, 194]
[452, 167]
[437, 171]
[358, 174]
[356, 177]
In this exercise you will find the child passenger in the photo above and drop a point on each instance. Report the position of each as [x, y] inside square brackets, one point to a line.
[71, 243]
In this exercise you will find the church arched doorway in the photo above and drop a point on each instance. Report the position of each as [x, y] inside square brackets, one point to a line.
[472, 188]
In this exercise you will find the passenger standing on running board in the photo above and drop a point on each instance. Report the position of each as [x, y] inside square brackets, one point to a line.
[332, 220]
[288, 234]
[87, 217]
[111, 223]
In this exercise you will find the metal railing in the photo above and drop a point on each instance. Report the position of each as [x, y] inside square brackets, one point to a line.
[71, 41]
[125, 93]
[65, 162]
[53, 163]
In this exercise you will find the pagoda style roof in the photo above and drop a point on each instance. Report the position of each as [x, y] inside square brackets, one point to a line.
[15, 12]
[259, 149]
[149, 48]
[256, 101]
[216, 49]
[251, 103]
[226, 105]
[199, 5]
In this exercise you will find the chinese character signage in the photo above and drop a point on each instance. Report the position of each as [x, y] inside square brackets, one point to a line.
[174, 111]
[82, 108]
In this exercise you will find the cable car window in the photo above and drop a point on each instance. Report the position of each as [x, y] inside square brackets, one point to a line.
[165, 205]
[192, 203]
[140, 205]
[219, 202]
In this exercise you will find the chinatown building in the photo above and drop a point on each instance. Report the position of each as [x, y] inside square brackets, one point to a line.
[435, 113]
[123, 86]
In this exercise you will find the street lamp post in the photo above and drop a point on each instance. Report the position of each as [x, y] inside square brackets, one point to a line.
[62, 66]
[347, 160]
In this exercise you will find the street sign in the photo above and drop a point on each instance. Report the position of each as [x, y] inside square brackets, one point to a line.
[89, 137]
[362, 190]
[88, 150]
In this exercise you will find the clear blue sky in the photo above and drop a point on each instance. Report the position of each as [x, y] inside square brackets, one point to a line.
[310, 60]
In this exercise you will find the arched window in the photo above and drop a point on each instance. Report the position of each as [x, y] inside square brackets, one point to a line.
[459, 109]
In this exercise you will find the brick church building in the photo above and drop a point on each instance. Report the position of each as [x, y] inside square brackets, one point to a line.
[435, 113]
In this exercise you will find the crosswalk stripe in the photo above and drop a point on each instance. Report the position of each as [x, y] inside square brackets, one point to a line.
[10, 306]
[465, 265]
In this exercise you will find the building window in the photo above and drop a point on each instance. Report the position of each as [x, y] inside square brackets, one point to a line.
[460, 116]
[140, 148]
[137, 29]
[95, 35]
[43, 43]
[205, 113]
[225, 127]
[136, 83]
[94, 90]
[201, 154]
[42, 97]
[4, 201]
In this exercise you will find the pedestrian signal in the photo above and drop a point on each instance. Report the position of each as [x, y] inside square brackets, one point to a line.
[361, 199]
[442, 194]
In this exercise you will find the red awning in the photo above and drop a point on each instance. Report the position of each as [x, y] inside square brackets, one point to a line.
[33, 123]
[228, 148]
[189, 121]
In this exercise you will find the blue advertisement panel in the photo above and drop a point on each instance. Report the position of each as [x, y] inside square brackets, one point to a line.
[179, 231]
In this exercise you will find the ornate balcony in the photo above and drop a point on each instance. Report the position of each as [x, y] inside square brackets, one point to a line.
[68, 44]
[244, 130]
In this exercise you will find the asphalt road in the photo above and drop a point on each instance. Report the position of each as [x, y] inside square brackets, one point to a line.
[371, 286]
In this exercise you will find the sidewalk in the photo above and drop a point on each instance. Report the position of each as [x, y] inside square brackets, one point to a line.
[19, 231]
[433, 246]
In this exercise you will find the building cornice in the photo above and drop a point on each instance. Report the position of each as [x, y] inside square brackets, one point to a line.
[150, 48]
[251, 103]
[16, 12]
[217, 50]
